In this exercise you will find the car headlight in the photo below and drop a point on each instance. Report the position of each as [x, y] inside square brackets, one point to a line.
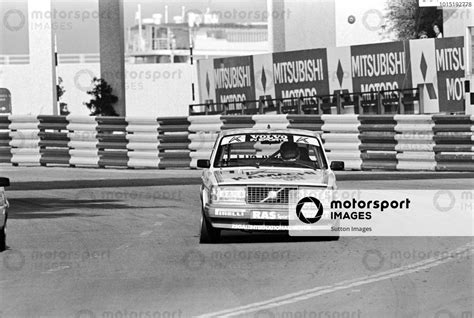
[228, 195]
[3, 199]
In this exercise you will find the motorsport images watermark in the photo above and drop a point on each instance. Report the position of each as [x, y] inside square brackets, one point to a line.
[15, 20]
[235, 259]
[134, 79]
[51, 260]
[308, 314]
[242, 15]
[313, 212]
[130, 195]
[127, 313]
[446, 313]
[375, 260]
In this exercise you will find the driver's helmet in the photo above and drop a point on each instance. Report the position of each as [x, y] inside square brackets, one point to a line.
[289, 151]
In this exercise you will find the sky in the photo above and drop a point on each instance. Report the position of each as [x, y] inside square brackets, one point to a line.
[79, 33]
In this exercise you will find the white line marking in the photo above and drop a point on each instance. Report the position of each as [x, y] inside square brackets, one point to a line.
[146, 233]
[322, 290]
[56, 269]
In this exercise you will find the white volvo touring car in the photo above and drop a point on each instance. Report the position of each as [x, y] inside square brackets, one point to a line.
[247, 181]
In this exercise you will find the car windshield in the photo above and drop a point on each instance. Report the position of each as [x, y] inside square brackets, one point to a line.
[270, 149]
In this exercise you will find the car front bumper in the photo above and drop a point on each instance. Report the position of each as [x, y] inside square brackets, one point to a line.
[261, 217]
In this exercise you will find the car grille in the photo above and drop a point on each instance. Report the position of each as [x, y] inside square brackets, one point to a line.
[263, 194]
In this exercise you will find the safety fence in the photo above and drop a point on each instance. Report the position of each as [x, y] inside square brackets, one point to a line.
[396, 101]
[363, 142]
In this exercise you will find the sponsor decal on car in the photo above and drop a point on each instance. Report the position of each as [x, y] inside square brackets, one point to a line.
[231, 213]
[269, 215]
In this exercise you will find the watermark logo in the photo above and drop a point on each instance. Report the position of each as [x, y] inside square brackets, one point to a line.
[266, 313]
[134, 80]
[234, 259]
[131, 195]
[198, 17]
[374, 260]
[51, 260]
[373, 20]
[444, 200]
[14, 20]
[14, 260]
[308, 206]
[83, 80]
[127, 313]
[445, 313]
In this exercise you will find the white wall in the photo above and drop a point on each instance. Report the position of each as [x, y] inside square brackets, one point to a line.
[151, 89]
[367, 24]
[19, 80]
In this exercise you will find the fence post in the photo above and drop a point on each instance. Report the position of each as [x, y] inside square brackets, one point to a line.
[299, 108]
[421, 94]
[338, 103]
[261, 105]
[319, 101]
[359, 104]
[380, 108]
[278, 105]
[401, 105]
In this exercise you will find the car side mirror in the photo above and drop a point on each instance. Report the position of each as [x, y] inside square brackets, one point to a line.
[337, 165]
[4, 182]
[203, 163]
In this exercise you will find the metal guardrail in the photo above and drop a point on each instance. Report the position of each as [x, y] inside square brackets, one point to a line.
[399, 101]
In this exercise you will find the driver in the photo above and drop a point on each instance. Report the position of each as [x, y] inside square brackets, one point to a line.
[289, 151]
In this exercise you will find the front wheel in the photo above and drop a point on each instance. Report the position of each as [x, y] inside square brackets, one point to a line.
[209, 234]
[3, 239]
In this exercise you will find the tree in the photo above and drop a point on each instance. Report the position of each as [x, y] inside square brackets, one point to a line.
[406, 19]
[63, 110]
[103, 99]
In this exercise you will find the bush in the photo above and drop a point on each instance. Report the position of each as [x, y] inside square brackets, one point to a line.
[103, 100]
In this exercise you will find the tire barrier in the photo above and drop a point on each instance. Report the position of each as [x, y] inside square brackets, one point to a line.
[453, 142]
[341, 139]
[203, 134]
[142, 137]
[24, 134]
[5, 148]
[174, 143]
[377, 136]
[82, 133]
[112, 145]
[414, 142]
[363, 142]
[53, 135]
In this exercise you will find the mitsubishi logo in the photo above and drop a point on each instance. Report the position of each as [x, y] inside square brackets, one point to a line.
[340, 73]
[429, 86]
[208, 84]
[263, 79]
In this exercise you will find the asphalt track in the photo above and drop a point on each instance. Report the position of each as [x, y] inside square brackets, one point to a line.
[124, 243]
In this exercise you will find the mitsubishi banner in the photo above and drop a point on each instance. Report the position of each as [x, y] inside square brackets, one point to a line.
[300, 73]
[380, 67]
[234, 79]
[434, 66]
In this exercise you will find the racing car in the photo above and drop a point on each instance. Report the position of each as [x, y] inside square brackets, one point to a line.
[4, 182]
[247, 181]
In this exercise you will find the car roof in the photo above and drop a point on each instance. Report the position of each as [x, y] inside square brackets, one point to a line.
[238, 131]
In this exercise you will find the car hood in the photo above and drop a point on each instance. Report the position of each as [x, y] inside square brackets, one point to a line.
[272, 176]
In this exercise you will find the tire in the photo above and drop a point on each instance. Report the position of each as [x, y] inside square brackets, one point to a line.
[3, 239]
[209, 234]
